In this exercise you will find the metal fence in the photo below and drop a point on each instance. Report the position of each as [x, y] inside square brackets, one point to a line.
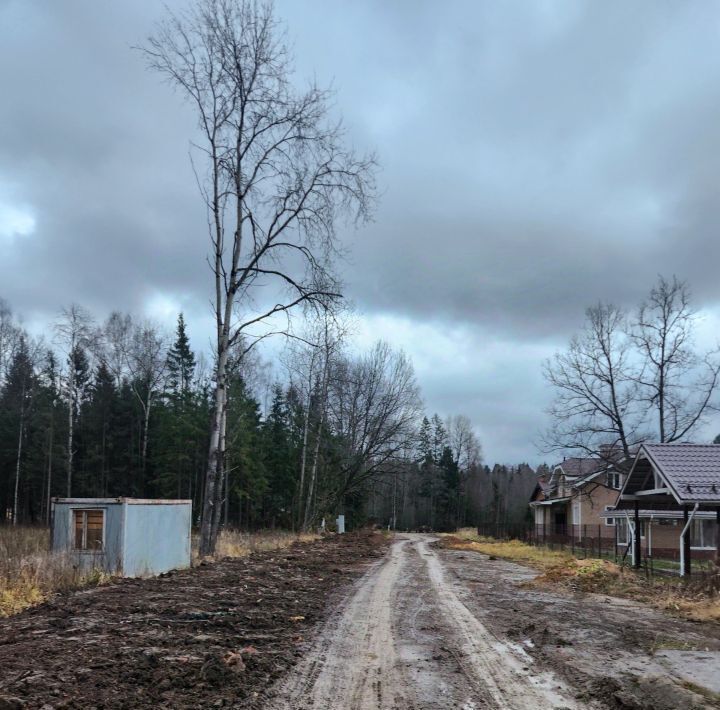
[602, 542]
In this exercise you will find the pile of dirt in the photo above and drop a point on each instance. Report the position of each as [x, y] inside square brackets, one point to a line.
[217, 635]
[581, 575]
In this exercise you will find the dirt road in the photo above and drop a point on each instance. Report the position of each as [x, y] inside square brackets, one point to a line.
[429, 628]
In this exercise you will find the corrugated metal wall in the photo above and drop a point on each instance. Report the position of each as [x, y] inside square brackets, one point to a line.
[140, 539]
[157, 538]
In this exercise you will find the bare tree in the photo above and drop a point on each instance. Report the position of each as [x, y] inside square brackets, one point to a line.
[74, 330]
[136, 352]
[677, 383]
[596, 410]
[276, 179]
[463, 441]
[374, 406]
[10, 335]
[23, 370]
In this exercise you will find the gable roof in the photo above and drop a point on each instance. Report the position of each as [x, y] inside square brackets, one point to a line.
[575, 466]
[541, 488]
[690, 471]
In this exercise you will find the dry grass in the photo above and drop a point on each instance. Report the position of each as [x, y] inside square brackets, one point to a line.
[29, 572]
[696, 599]
[514, 550]
[234, 543]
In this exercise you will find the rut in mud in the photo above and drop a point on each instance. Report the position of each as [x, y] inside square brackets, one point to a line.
[428, 629]
[385, 650]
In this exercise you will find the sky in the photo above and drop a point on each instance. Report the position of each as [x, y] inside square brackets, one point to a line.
[535, 158]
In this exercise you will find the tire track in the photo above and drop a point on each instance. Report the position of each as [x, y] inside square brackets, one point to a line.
[374, 655]
[504, 670]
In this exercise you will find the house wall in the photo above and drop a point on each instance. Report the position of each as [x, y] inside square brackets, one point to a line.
[593, 500]
[157, 538]
[63, 536]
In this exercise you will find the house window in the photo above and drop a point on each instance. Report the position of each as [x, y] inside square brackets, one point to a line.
[624, 535]
[703, 534]
[89, 529]
[614, 480]
[609, 521]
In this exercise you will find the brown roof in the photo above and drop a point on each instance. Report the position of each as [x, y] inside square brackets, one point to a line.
[575, 466]
[692, 471]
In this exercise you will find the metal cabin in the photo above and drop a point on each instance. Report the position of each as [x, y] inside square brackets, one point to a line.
[132, 537]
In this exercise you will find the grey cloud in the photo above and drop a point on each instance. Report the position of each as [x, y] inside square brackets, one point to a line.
[536, 157]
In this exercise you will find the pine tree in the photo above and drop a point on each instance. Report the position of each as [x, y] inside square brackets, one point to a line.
[279, 461]
[180, 362]
[100, 419]
[16, 405]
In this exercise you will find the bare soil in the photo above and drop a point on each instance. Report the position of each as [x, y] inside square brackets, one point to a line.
[346, 624]
[213, 636]
[430, 628]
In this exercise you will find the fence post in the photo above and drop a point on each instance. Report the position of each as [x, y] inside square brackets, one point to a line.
[599, 542]
[616, 535]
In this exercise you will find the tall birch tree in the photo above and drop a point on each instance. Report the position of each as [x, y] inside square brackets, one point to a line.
[75, 331]
[274, 176]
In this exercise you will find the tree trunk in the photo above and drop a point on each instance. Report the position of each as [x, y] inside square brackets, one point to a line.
[49, 468]
[146, 430]
[71, 420]
[207, 539]
[303, 457]
[316, 451]
[221, 484]
[19, 457]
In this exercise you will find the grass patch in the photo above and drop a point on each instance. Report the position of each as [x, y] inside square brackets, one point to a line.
[235, 543]
[696, 599]
[30, 572]
[514, 550]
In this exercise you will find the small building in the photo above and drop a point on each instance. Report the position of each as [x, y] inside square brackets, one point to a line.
[680, 484]
[131, 537]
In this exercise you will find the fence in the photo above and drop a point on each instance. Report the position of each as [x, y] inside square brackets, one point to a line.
[660, 551]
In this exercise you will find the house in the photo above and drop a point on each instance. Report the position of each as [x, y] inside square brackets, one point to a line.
[571, 502]
[677, 485]
[127, 536]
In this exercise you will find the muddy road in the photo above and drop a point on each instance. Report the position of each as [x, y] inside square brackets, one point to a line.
[354, 622]
[430, 628]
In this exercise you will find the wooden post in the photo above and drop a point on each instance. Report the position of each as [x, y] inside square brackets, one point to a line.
[636, 537]
[717, 537]
[686, 545]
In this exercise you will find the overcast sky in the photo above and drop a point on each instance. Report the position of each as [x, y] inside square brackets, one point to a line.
[536, 157]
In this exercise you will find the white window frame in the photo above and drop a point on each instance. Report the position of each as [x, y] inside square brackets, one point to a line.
[616, 477]
[700, 523]
[610, 522]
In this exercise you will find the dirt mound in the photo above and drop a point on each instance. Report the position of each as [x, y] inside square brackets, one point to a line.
[582, 575]
[213, 636]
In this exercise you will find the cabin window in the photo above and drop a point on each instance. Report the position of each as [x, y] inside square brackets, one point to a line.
[89, 529]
